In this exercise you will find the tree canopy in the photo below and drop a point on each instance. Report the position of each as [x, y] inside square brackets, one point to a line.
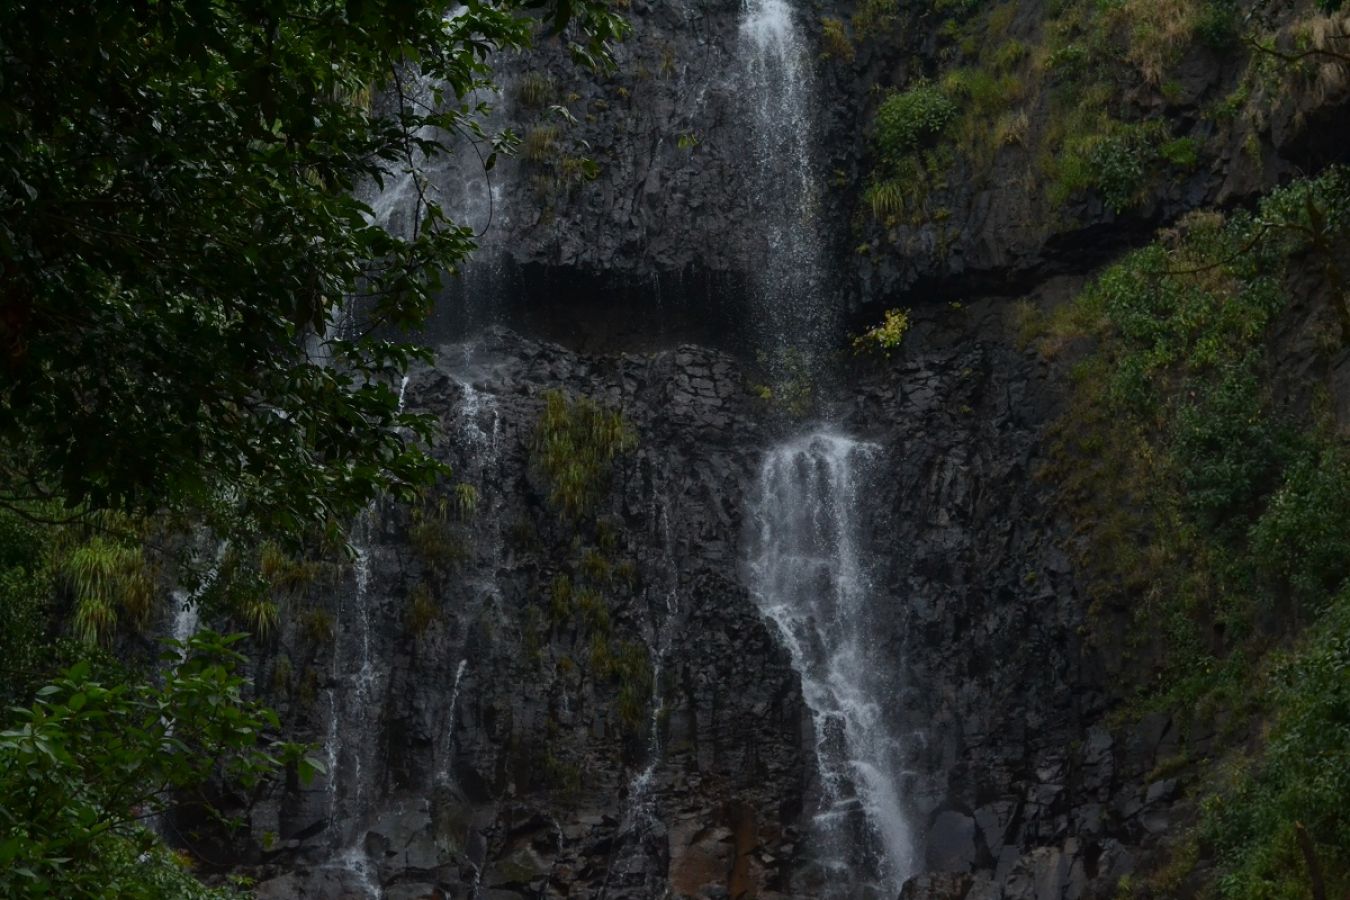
[181, 235]
[182, 242]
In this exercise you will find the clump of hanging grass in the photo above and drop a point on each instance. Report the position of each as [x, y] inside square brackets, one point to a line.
[112, 583]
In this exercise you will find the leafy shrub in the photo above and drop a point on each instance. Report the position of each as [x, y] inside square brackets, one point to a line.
[1301, 783]
[1228, 452]
[1184, 153]
[91, 760]
[1304, 536]
[26, 586]
[1119, 164]
[874, 17]
[1218, 25]
[907, 119]
[885, 337]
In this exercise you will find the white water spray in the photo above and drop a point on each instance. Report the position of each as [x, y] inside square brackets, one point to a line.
[810, 579]
[779, 83]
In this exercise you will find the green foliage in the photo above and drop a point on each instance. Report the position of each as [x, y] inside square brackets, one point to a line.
[1115, 160]
[792, 387]
[834, 37]
[284, 573]
[466, 500]
[111, 583]
[907, 119]
[1184, 153]
[573, 449]
[1218, 25]
[884, 338]
[317, 626]
[1227, 452]
[1301, 782]
[687, 140]
[1303, 537]
[874, 17]
[156, 353]
[886, 199]
[438, 545]
[535, 90]
[27, 583]
[1225, 520]
[422, 609]
[629, 667]
[540, 143]
[87, 761]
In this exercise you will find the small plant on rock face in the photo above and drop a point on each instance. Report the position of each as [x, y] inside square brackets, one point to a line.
[540, 143]
[906, 119]
[886, 199]
[436, 545]
[422, 610]
[573, 448]
[535, 90]
[317, 625]
[834, 37]
[560, 599]
[261, 614]
[874, 17]
[596, 567]
[885, 337]
[110, 581]
[466, 500]
[285, 573]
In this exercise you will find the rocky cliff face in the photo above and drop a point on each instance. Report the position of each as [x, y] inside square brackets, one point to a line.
[494, 751]
[519, 701]
[669, 130]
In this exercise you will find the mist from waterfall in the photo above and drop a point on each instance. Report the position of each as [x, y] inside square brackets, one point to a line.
[812, 580]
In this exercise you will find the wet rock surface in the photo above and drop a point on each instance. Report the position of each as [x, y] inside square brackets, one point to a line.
[673, 196]
[503, 759]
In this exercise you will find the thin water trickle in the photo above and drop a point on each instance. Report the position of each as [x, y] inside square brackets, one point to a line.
[443, 775]
[811, 580]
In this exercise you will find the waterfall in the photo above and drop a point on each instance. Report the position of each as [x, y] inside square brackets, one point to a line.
[478, 442]
[352, 736]
[810, 578]
[795, 318]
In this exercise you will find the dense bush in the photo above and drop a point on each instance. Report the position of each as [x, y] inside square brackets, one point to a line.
[1228, 452]
[1303, 537]
[1301, 783]
[906, 119]
[90, 759]
[1239, 518]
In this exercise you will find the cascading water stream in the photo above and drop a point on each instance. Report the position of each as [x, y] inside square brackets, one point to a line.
[642, 814]
[810, 579]
[348, 754]
[777, 78]
[479, 443]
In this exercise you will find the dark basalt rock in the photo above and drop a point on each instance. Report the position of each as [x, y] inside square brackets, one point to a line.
[526, 787]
